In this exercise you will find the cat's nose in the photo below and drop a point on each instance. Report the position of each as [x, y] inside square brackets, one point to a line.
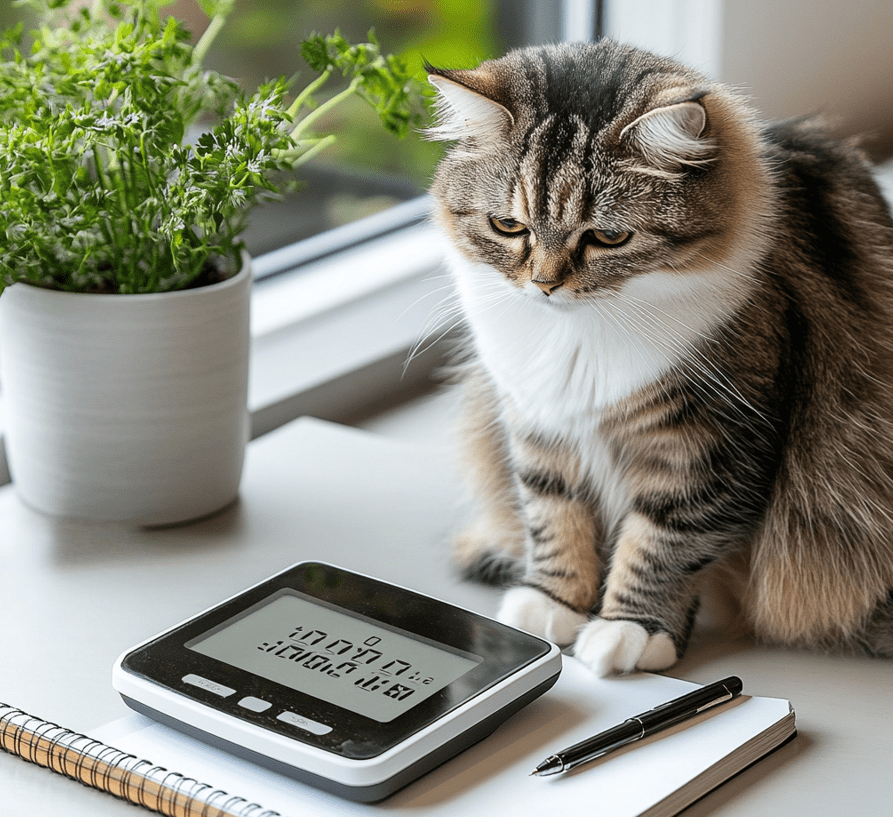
[547, 286]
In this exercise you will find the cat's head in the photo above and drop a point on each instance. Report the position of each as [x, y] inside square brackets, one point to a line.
[579, 166]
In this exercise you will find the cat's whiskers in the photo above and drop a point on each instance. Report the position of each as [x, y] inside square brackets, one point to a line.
[633, 338]
[693, 361]
[449, 314]
[437, 307]
[738, 273]
[443, 318]
[650, 307]
[689, 356]
[435, 330]
[659, 333]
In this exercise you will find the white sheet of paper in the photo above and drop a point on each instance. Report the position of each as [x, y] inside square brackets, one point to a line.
[494, 775]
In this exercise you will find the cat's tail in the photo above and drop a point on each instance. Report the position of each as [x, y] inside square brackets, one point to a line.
[821, 576]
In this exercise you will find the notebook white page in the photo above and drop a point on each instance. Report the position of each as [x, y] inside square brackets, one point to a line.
[494, 775]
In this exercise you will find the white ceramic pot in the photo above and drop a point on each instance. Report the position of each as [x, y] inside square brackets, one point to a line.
[126, 407]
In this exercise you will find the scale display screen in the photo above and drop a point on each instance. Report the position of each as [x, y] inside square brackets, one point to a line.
[344, 659]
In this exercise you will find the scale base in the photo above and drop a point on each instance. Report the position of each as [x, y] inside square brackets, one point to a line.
[360, 794]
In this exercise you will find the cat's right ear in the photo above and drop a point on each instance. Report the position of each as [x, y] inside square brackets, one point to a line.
[671, 136]
[464, 113]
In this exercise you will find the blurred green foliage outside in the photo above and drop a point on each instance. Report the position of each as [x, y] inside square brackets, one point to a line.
[262, 37]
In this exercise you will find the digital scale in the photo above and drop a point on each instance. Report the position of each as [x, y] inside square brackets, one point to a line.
[346, 682]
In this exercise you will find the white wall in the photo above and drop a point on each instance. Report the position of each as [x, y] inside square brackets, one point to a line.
[687, 30]
[802, 56]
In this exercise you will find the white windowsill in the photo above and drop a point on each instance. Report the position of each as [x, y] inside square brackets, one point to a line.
[332, 340]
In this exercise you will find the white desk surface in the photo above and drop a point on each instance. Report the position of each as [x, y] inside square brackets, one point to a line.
[75, 594]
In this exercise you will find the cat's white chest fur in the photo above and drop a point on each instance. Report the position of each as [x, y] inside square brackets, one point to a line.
[561, 362]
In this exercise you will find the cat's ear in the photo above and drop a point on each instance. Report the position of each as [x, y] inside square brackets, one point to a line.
[462, 112]
[672, 136]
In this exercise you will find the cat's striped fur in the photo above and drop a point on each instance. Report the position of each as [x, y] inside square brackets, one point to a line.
[680, 358]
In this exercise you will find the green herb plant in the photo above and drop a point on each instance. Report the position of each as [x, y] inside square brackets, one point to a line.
[126, 167]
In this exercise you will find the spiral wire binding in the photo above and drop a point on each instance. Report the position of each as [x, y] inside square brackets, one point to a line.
[122, 775]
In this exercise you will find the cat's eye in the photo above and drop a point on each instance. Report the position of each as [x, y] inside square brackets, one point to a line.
[606, 238]
[508, 226]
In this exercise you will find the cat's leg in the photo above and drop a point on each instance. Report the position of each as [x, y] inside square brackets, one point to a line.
[650, 599]
[492, 547]
[561, 579]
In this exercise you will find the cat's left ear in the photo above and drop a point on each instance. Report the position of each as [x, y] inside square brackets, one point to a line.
[672, 136]
[463, 111]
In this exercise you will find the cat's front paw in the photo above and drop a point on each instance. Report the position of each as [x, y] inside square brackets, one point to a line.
[529, 609]
[616, 646]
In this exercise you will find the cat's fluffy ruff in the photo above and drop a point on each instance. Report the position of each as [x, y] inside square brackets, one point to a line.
[680, 356]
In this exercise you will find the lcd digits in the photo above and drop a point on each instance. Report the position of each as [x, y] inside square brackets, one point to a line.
[300, 650]
[335, 655]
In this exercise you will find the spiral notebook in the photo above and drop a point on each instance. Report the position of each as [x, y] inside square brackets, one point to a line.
[118, 773]
[656, 777]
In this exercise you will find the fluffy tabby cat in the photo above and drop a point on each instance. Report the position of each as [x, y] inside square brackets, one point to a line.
[681, 356]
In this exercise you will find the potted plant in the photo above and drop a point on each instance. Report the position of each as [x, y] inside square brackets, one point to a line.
[127, 172]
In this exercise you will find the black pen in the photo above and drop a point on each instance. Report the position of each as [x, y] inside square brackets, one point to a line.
[661, 717]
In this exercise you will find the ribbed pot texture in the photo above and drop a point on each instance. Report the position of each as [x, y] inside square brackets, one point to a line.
[130, 408]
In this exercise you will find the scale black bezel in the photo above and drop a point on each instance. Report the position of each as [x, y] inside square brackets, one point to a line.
[165, 660]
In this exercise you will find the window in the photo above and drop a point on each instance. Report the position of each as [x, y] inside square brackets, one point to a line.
[360, 292]
[358, 300]
[366, 171]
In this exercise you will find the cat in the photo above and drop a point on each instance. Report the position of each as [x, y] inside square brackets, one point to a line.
[679, 368]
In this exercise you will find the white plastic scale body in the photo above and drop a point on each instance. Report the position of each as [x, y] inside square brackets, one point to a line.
[339, 680]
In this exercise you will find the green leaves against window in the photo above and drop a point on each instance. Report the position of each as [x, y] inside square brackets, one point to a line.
[126, 167]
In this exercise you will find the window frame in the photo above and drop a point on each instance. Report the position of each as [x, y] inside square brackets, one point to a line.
[305, 355]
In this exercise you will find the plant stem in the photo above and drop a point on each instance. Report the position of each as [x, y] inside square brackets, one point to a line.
[320, 145]
[207, 38]
[305, 94]
[325, 108]
[104, 183]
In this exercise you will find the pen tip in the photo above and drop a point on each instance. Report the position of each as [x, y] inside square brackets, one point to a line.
[533, 773]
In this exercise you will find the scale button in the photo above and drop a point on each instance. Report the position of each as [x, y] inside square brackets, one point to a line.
[254, 704]
[210, 686]
[303, 723]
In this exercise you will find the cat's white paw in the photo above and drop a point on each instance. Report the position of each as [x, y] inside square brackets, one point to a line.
[528, 609]
[609, 646]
